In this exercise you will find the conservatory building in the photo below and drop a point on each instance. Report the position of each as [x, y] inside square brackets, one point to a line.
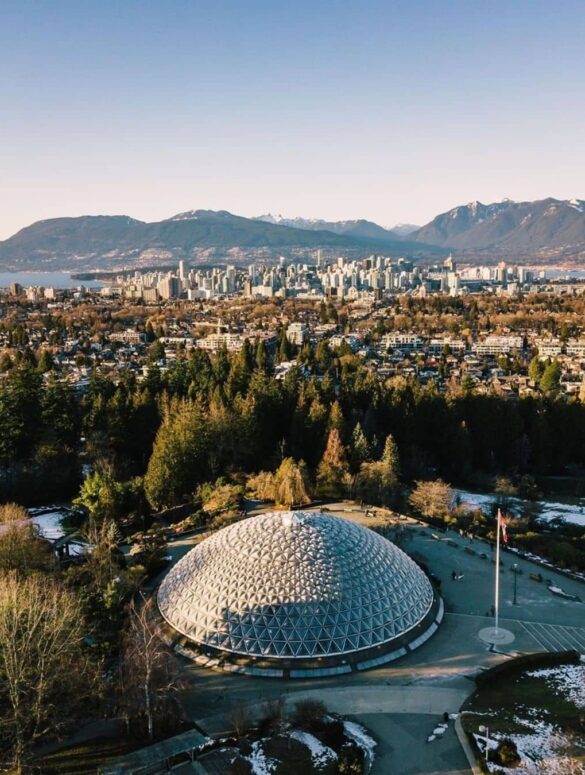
[297, 594]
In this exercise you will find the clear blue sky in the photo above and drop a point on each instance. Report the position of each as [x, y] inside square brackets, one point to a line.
[393, 111]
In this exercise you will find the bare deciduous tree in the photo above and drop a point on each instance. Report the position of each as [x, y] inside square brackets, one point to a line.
[431, 498]
[45, 670]
[149, 679]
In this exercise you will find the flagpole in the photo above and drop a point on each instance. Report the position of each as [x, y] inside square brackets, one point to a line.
[497, 592]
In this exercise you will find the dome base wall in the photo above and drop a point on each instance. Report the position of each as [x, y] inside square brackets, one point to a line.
[319, 667]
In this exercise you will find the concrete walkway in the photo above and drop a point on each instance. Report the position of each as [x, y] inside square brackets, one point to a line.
[356, 701]
[155, 754]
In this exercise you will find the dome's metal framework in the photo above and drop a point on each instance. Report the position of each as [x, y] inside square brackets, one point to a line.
[295, 586]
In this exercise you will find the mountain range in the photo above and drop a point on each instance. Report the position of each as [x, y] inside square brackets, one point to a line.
[545, 226]
[361, 228]
[115, 241]
[543, 230]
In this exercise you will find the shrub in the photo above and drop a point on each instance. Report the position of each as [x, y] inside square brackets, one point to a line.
[309, 714]
[332, 733]
[272, 716]
[351, 760]
[12, 512]
[240, 766]
[507, 753]
[241, 721]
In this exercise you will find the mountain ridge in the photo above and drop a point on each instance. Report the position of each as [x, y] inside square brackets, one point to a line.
[541, 230]
[359, 227]
[102, 241]
[540, 225]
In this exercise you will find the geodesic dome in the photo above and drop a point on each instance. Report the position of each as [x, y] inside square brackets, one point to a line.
[295, 585]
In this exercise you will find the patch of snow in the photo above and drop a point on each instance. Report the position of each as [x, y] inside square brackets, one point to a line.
[566, 679]
[541, 751]
[320, 754]
[548, 510]
[576, 204]
[50, 525]
[260, 763]
[359, 735]
[190, 215]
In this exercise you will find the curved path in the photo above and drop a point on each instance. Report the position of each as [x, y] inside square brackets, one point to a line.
[359, 700]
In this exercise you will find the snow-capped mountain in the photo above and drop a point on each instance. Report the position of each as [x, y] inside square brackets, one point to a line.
[404, 229]
[359, 228]
[522, 226]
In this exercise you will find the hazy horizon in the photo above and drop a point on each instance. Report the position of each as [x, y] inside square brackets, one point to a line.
[392, 112]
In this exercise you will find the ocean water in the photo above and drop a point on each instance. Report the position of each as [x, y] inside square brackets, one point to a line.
[45, 279]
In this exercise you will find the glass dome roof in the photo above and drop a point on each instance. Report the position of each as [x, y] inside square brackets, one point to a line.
[294, 585]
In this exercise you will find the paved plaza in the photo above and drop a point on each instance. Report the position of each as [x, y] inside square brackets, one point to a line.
[399, 702]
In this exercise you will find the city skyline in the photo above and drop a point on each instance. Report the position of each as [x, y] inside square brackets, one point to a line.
[332, 111]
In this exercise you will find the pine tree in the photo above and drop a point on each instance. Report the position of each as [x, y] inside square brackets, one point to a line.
[390, 462]
[284, 348]
[360, 447]
[336, 420]
[261, 356]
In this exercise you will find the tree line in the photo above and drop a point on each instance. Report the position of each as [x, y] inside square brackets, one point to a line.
[205, 417]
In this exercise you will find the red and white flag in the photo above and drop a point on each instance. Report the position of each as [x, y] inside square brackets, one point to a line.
[503, 525]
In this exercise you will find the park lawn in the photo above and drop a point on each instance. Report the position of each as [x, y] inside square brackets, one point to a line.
[506, 700]
[534, 712]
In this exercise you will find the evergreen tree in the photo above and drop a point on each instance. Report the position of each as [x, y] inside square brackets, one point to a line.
[284, 348]
[536, 369]
[45, 362]
[156, 352]
[390, 462]
[360, 447]
[261, 356]
[551, 377]
[323, 356]
[179, 459]
[336, 420]
[221, 366]
[149, 331]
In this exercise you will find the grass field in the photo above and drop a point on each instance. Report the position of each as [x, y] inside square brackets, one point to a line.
[544, 715]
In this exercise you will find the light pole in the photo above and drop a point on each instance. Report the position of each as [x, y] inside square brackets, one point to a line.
[515, 566]
[486, 730]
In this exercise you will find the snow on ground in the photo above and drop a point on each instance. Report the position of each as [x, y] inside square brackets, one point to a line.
[359, 735]
[572, 513]
[50, 525]
[568, 680]
[542, 752]
[320, 754]
[261, 764]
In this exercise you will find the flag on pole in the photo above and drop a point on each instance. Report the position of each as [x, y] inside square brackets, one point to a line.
[503, 526]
